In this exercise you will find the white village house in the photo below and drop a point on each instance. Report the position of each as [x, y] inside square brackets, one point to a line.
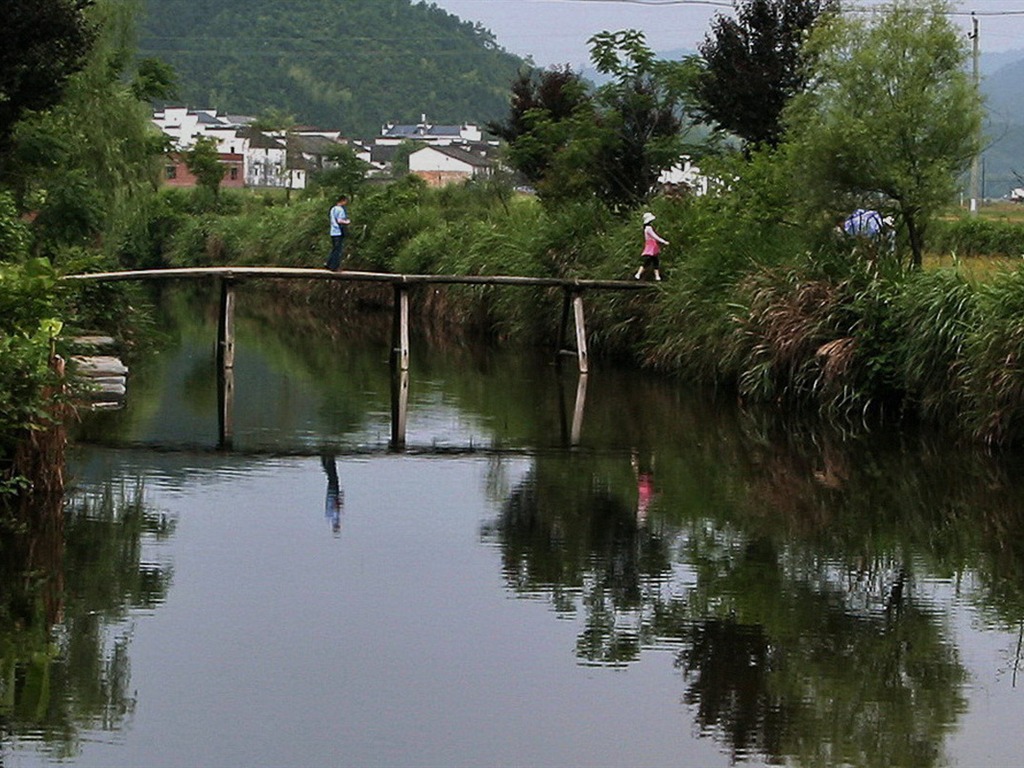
[685, 174]
[279, 160]
[275, 161]
[441, 165]
[184, 126]
[253, 158]
[429, 133]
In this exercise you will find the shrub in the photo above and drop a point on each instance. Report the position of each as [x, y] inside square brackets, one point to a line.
[936, 311]
[975, 236]
[14, 235]
[27, 331]
[994, 370]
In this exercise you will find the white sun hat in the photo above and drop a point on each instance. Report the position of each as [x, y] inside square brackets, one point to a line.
[648, 217]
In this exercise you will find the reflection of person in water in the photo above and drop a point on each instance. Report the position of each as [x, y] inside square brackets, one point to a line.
[644, 472]
[335, 499]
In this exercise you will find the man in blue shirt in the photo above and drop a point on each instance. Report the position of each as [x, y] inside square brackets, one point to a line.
[863, 223]
[339, 221]
[871, 230]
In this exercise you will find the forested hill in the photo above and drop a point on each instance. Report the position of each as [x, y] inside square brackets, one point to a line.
[1003, 157]
[351, 65]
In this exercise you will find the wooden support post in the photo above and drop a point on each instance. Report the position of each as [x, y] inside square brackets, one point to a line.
[581, 331]
[563, 325]
[225, 407]
[226, 325]
[226, 364]
[563, 422]
[577, 413]
[399, 408]
[400, 328]
[572, 299]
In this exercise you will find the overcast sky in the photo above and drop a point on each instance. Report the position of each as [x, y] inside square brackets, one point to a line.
[556, 31]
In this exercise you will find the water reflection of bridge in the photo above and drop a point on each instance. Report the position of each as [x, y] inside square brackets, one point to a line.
[572, 304]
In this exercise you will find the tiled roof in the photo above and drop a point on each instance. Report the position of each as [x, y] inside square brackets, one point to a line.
[382, 153]
[444, 130]
[314, 145]
[411, 131]
[260, 140]
[208, 119]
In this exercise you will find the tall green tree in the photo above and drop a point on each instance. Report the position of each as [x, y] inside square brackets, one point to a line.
[640, 111]
[343, 171]
[44, 43]
[753, 64]
[891, 119]
[612, 143]
[88, 165]
[204, 163]
[540, 101]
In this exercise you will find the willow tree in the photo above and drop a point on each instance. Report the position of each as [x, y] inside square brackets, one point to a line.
[89, 165]
[890, 117]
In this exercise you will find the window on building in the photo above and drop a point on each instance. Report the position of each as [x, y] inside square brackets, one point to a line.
[234, 174]
[171, 172]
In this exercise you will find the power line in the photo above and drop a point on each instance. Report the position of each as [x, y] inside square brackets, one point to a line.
[985, 13]
[718, 4]
[651, 3]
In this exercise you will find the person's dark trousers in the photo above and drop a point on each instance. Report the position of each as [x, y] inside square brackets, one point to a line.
[337, 249]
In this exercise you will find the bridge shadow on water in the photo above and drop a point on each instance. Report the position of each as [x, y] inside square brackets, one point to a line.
[571, 407]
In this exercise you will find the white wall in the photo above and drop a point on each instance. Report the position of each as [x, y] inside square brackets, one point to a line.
[429, 160]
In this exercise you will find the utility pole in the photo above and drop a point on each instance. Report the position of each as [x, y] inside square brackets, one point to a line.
[977, 84]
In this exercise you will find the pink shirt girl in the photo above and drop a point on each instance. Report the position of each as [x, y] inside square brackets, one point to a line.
[652, 242]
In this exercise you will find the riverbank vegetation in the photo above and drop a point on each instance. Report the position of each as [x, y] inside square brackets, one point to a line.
[78, 183]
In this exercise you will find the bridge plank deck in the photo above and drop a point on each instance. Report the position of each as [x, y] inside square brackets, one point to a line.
[304, 273]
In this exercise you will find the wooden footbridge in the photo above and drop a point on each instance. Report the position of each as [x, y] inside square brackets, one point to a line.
[230, 277]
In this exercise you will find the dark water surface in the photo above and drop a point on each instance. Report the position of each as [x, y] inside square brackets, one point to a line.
[671, 583]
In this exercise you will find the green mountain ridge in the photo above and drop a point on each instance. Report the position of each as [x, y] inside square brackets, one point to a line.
[350, 65]
[1003, 156]
[357, 64]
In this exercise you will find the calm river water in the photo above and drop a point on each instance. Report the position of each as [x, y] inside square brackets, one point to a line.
[617, 574]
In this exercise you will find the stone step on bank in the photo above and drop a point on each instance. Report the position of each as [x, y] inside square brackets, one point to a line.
[98, 377]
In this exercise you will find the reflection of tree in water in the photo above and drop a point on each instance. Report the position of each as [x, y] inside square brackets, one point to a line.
[796, 641]
[778, 664]
[31, 551]
[69, 668]
[953, 510]
[565, 535]
[728, 665]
